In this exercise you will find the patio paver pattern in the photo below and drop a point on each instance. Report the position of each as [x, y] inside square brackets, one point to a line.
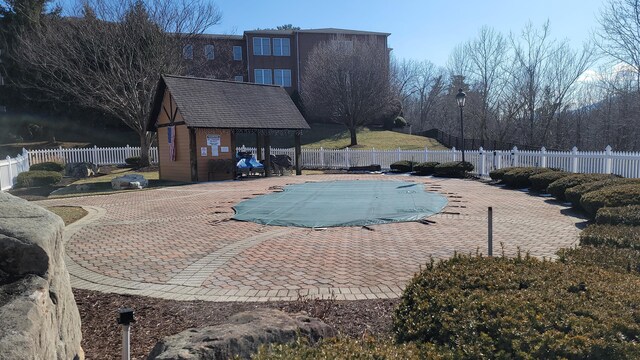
[180, 242]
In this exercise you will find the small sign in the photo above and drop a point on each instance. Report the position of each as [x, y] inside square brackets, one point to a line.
[203, 151]
[213, 140]
[224, 149]
[214, 150]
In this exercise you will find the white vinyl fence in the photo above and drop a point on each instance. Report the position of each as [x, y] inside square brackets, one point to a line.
[622, 163]
[11, 167]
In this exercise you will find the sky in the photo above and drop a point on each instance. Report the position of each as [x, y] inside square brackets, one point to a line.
[420, 29]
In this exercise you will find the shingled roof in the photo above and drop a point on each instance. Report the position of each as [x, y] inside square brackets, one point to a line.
[210, 103]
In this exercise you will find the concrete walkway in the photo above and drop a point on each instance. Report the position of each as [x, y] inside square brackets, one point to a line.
[179, 242]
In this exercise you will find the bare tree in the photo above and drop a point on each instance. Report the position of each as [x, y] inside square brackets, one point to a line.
[347, 81]
[111, 57]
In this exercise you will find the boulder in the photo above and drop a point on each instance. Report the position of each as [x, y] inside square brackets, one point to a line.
[38, 314]
[80, 169]
[129, 181]
[240, 336]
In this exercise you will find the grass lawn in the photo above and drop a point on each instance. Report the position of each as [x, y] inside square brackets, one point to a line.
[336, 136]
[69, 214]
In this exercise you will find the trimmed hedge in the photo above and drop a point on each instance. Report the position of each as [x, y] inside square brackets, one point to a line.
[622, 215]
[519, 178]
[132, 161]
[346, 348]
[521, 308]
[618, 236]
[626, 261]
[453, 169]
[403, 166]
[616, 196]
[48, 166]
[541, 181]
[575, 193]
[497, 175]
[558, 187]
[425, 168]
[38, 178]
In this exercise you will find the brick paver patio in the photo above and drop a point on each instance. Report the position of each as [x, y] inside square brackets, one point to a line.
[179, 242]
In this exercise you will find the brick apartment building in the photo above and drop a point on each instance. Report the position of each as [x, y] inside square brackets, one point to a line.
[267, 56]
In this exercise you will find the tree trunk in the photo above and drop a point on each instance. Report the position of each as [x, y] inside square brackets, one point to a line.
[354, 141]
[145, 144]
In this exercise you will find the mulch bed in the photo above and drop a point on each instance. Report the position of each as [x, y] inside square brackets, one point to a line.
[157, 318]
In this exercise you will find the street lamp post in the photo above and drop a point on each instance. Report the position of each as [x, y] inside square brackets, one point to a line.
[460, 98]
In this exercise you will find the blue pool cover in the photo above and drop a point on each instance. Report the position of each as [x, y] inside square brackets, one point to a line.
[342, 203]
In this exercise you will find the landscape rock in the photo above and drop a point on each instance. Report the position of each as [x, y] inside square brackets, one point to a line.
[80, 170]
[38, 314]
[129, 181]
[241, 336]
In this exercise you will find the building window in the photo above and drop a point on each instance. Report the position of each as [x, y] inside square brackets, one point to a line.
[237, 53]
[281, 47]
[262, 76]
[261, 46]
[208, 52]
[238, 78]
[187, 52]
[282, 77]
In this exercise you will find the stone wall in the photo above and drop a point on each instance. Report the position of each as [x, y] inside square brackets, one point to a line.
[38, 314]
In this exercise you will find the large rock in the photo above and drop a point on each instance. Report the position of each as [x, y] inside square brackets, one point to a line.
[38, 314]
[241, 336]
[80, 169]
[129, 181]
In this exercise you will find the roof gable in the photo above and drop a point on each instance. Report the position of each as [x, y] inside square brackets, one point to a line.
[210, 103]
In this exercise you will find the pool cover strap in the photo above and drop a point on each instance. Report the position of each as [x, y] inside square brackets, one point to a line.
[342, 203]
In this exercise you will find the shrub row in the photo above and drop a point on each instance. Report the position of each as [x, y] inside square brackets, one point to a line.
[453, 169]
[558, 187]
[620, 260]
[623, 215]
[519, 177]
[48, 166]
[618, 236]
[38, 178]
[521, 308]
[616, 196]
[540, 182]
[425, 168]
[133, 161]
[574, 194]
[403, 166]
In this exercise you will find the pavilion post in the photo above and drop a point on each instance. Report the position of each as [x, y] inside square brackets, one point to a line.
[259, 146]
[298, 153]
[267, 155]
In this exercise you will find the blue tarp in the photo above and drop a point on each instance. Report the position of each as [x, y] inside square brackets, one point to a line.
[342, 203]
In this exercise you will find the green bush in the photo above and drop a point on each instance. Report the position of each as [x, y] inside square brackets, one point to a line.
[519, 178]
[618, 236]
[399, 122]
[403, 166]
[622, 215]
[541, 181]
[346, 348]
[574, 194]
[132, 161]
[453, 169]
[425, 168]
[613, 259]
[616, 196]
[521, 308]
[558, 187]
[38, 178]
[48, 166]
[498, 175]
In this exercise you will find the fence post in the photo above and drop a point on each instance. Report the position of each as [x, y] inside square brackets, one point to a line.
[346, 157]
[128, 151]
[60, 155]
[574, 160]
[95, 155]
[374, 159]
[399, 155]
[514, 156]
[426, 154]
[608, 162]
[10, 172]
[321, 156]
[483, 161]
[453, 150]
[25, 153]
[543, 159]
